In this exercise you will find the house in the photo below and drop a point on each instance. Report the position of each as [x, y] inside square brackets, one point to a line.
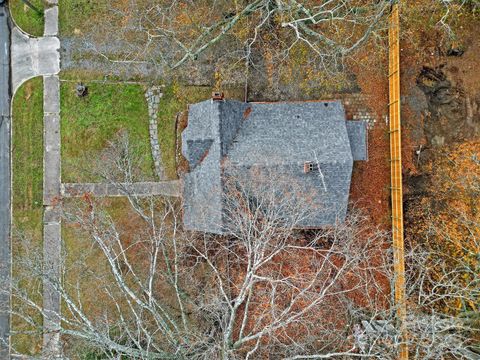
[308, 143]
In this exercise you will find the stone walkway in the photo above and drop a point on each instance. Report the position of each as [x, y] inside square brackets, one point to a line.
[141, 189]
[153, 96]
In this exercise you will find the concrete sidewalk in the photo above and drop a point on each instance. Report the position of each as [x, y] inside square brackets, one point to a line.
[52, 215]
[51, 136]
[33, 57]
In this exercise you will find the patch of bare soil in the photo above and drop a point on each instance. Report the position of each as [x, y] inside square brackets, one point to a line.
[441, 86]
[441, 110]
[453, 113]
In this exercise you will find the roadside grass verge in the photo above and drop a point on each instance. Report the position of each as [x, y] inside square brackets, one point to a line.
[26, 18]
[27, 173]
[88, 123]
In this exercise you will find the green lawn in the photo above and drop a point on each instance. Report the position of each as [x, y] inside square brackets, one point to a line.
[27, 144]
[77, 15]
[88, 123]
[27, 172]
[26, 18]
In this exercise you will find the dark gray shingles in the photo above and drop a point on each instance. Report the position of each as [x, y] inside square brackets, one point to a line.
[283, 136]
[202, 189]
[273, 137]
[322, 201]
[231, 116]
[197, 150]
[357, 135]
[291, 132]
[202, 209]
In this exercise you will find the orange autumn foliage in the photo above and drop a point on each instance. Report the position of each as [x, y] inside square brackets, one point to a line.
[446, 220]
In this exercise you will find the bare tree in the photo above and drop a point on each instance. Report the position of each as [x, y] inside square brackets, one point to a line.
[166, 293]
[171, 33]
[144, 288]
[433, 332]
[451, 8]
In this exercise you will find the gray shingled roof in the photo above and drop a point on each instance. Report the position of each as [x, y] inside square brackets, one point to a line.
[230, 137]
[357, 134]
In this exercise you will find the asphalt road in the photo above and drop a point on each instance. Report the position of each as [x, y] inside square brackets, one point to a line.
[4, 180]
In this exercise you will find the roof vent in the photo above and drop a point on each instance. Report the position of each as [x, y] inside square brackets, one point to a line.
[217, 96]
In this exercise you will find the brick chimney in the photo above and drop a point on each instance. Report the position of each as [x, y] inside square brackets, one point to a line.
[307, 167]
[217, 96]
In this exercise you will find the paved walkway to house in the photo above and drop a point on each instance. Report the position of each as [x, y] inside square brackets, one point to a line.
[141, 189]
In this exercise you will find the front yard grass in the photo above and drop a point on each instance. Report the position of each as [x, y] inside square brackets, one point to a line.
[86, 267]
[89, 122]
[27, 172]
[77, 15]
[26, 18]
